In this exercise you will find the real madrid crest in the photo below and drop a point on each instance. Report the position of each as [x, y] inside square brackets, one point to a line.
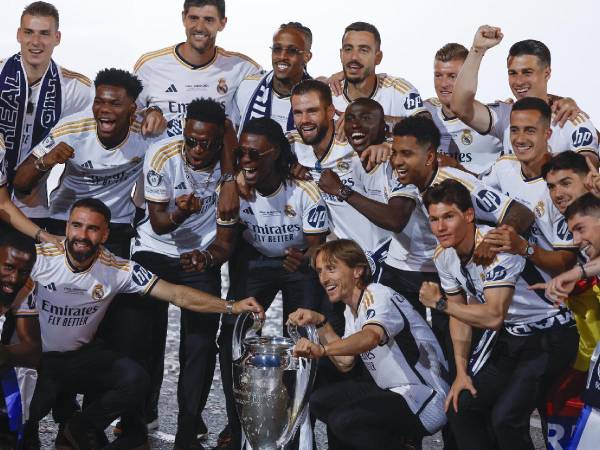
[539, 209]
[467, 137]
[222, 87]
[343, 165]
[289, 211]
[98, 292]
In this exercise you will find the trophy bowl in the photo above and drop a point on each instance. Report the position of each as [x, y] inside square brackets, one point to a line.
[271, 387]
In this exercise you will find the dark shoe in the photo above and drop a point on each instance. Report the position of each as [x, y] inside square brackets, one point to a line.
[202, 430]
[224, 441]
[61, 442]
[195, 446]
[80, 434]
[129, 441]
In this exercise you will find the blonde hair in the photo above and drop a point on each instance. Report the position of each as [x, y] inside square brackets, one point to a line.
[348, 252]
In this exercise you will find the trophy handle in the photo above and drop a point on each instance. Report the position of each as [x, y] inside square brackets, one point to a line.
[243, 329]
[306, 378]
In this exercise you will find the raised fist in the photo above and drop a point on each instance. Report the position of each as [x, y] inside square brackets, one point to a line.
[487, 37]
[58, 155]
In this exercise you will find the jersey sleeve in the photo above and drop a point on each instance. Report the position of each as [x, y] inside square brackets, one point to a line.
[79, 97]
[24, 304]
[584, 137]
[315, 218]
[449, 283]
[404, 190]
[561, 238]
[59, 133]
[138, 280]
[158, 185]
[410, 103]
[491, 176]
[504, 271]
[380, 310]
[140, 71]
[499, 118]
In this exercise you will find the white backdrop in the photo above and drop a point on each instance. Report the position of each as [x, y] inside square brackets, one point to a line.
[114, 33]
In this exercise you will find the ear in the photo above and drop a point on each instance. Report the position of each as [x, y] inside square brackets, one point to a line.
[431, 156]
[132, 110]
[183, 17]
[330, 112]
[307, 56]
[223, 23]
[105, 235]
[19, 35]
[470, 215]
[547, 73]
[358, 272]
[378, 57]
[548, 133]
[58, 36]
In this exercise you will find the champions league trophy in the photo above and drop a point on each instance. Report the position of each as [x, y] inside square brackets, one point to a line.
[271, 387]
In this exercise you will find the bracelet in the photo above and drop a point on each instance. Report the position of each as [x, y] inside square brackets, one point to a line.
[321, 324]
[209, 261]
[154, 108]
[173, 220]
[36, 238]
[226, 177]
[40, 166]
[584, 275]
[324, 349]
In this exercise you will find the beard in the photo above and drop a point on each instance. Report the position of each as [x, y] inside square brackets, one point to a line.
[318, 137]
[83, 255]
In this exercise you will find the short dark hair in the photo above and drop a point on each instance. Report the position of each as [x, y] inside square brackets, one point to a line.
[120, 78]
[422, 128]
[311, 85]
[18, 241]
[451, 51]
[347, 251]
[449, 192]
[567, 160]
[306, 32]
[206, 110]
[536, 104]
[267, 127]
[586, 205]
[41, 9]
[531, 47]
[219, 4]
[364, 26]
[93, 204]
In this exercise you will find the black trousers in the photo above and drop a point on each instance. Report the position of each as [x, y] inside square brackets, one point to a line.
[510, 386]
[255, 275]
[117, 384]
[363, 416]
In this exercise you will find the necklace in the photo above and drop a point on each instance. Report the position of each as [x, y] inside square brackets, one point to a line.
[199, 188]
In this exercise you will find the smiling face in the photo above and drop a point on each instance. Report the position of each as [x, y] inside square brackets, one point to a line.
[527, 77]
[113, 110]
[202, 143]
[202, 23]
[337, 278]
[256, 157]
[15, 268]
[444, 77]
[359, 55]
[529, 134]
[586, 234]
[449, 224]
[86, 231]
[565, 186]
[38, 35]
[289, 54]
[412, 162]
[364, 125]
[311, 117]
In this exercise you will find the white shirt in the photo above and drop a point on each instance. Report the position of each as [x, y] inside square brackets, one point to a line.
[578, 134]
[345, 221]
[549, 230]
[476, 152]
[71, 304]
[397, 97]
[507, 270]
[171, 83]
[281, 220]
[77, 95]
[95, 171]
[410, 362]
[166, 177]
[412, 249]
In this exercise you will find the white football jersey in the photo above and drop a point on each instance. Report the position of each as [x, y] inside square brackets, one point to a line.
[578, 135]
[166, 177]
[507, 270]
[281, 220]
[72, 303]
[345, 221]
[476, 152]
[412, 249]
[171, 83]
[410, 362]
[549, 230]
[95, 171]
[397, 97]
[280, 105]
[77, 94]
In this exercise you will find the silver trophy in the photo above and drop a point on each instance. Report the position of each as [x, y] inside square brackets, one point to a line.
[271, 387]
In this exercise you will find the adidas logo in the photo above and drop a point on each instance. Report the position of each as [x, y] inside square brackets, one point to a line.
[87, 165]
[171, 88]
[50, 287]
[248, 211]
[180, 186]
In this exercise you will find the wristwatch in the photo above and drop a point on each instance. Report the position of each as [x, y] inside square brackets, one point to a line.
[529, 251]
[225, 177]
[230, 307]
[441, 304]
[344, 192]
[154, 108]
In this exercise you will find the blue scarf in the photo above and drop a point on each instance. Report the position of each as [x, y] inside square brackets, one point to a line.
[14, 97]
[12, 397]
[260, 102]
